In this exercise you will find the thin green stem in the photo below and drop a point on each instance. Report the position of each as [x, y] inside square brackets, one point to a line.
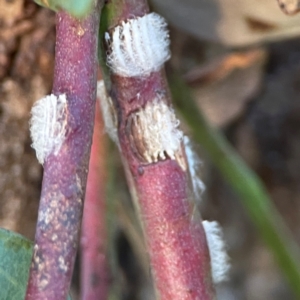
[245, 182]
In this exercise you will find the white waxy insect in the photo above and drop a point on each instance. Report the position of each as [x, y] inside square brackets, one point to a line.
[217, 249]
[48, 125]
[138, 46]
[154, 132]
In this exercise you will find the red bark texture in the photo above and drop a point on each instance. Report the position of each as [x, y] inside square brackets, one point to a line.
[94, 269]
[174, 233]
[65, 174]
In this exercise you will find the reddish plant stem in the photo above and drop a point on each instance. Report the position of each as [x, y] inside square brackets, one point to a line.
[65, 174]
[174, 233]
[175, 237]
[94, 271]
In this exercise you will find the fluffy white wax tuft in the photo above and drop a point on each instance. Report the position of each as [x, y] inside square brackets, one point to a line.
[48, 125]
[217, 249]
[193, 166]
[157, 126]
[138, 46]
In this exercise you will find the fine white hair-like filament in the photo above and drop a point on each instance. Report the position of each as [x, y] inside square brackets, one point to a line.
[217, 249]
[48, 125]
[193, 167]
[138, 46]
[108, 112]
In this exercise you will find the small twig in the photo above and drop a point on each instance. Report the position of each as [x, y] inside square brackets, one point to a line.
[94, 269]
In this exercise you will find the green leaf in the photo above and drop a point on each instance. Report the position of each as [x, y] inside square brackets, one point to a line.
[77, 8]
[15, 259]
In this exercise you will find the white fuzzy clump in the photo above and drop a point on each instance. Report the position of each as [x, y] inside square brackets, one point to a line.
[108, 112]
[157, 127]
[48, 125]
[193, 167]
[138, 46]
[217, 249]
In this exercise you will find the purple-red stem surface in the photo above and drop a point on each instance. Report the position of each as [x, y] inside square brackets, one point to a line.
[174, 233]
[65, 174]
[94, 269]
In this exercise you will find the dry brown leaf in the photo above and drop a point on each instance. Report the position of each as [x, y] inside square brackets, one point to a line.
[231, 22]
[224, 86]
[219, 68]
[289, 7]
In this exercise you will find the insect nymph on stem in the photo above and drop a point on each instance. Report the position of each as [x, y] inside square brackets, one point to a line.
[48, 125]
[138, 46]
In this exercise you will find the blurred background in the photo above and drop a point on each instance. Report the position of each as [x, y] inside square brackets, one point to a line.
[241, 59]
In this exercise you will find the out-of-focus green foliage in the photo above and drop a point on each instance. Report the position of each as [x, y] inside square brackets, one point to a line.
[77, 8]
[15, 259]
